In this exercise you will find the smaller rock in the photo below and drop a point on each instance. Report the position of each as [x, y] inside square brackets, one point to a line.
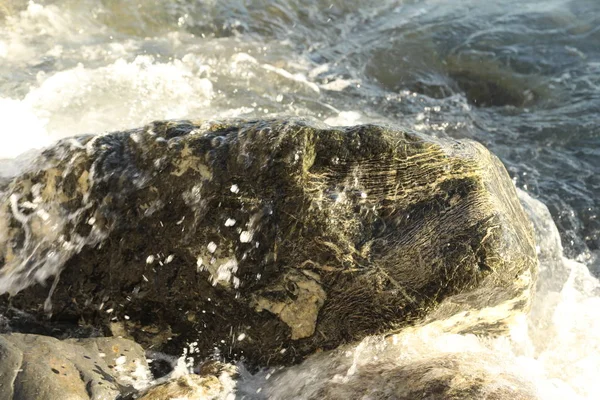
[213, 380]
[42, 367]
[12, 359]
[423, 363]
[127, 359]
[216, 368]
[449, 377]
[186, 387]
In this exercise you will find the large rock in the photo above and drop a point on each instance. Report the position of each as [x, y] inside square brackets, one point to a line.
[41, 367]
[266, 240]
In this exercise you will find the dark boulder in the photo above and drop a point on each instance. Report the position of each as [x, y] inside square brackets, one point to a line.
[267, 240]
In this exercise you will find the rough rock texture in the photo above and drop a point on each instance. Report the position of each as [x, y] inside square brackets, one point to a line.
[125, 359]
[187, 387]
[266, 240]
[214, 380]
[41, 367]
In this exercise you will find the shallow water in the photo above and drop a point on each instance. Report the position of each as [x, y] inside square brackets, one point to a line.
[522, 77]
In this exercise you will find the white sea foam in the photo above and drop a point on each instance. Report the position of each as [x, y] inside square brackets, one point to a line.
[21, 129]
[78, 100]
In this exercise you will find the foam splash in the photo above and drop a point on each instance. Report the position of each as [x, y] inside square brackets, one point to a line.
[127, 91]
[22, 129]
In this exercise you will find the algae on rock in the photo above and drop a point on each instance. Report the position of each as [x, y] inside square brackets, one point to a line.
[266, 240]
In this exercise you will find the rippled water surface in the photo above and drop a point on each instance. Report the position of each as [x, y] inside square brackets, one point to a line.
[522, 77]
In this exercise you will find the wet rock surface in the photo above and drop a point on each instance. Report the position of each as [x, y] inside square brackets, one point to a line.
[449, 377]
[186, 387]
[214, 380]
[42, 367]
[265, 240]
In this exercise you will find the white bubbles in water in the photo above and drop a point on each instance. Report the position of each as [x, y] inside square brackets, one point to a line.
[142, 89]
[345, 118]
[79, 82]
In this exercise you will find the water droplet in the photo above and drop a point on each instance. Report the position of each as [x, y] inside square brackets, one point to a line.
[212, 247]
[230, 222]
[245, 237]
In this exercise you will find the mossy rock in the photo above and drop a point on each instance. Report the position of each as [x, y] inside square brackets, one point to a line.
[265, 240]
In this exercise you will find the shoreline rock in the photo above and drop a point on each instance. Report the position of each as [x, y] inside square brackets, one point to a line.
[42, 367]
[265, 241]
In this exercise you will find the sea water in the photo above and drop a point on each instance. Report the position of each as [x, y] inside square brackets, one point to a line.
[522, 77]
